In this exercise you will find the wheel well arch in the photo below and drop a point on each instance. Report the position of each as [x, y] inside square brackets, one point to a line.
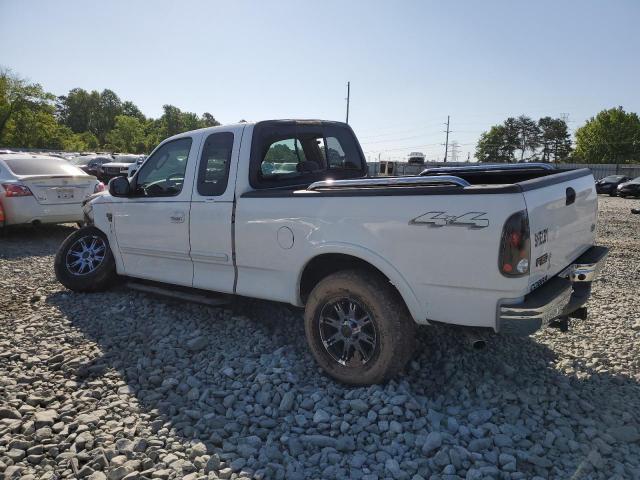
[325, 264]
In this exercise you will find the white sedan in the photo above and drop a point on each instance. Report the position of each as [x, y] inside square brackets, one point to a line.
[41, 189]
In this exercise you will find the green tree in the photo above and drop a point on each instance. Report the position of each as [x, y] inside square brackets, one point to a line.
[528, 137]
[491, 146]
[554, 139]
[171, 121]
[18, 97]
[109, 107]
[131, 110]
[36, 129]
[208, 120]
[128, 135]
[79, 110]
[520, 139]
[612, 136]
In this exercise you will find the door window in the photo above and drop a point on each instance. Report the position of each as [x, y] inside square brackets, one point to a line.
[213, 173]
[162, 175]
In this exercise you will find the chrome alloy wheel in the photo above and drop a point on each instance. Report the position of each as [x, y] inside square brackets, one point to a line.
[347, 331]
[85, 255]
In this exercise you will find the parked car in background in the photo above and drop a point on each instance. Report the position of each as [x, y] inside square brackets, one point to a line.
[90, 164]
[505, 249]
[42, 189]
[133, 168]
[610, 184]
[630, 188]
[118, 167]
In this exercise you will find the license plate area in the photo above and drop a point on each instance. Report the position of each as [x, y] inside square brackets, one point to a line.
[64, 193]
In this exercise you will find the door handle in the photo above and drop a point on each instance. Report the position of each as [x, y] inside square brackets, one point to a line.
[571, 196]
[177, 217]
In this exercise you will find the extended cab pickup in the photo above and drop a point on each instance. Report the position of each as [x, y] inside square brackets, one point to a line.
[283, 210]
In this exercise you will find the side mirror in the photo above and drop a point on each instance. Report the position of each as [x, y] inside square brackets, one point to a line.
[119, 187]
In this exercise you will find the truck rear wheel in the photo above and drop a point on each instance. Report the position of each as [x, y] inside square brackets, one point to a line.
[358, 328]
[84, 262]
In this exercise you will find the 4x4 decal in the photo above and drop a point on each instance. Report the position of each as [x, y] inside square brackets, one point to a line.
[443, 219]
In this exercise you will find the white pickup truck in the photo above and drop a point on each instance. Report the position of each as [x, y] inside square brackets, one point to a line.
[283, 210]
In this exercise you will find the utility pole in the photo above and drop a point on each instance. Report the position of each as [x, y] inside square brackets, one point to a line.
[348, 97]
[446, 144]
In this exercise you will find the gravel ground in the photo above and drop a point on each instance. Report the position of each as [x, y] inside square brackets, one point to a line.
[125, 385]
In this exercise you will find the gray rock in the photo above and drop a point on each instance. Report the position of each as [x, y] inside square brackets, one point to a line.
[479, 417]
[359, 405]
[118, 473]
[16, 454]
[506, 458]
[625, 434]
[97, 476]
[45, 418]
[319, 440]
[10, 412]
[198, 449]
[286, 404]
[398, 400]
[501, 440]
[432, 442]
[237, 464]
[479, 444]
[320, 416]
[196, 344]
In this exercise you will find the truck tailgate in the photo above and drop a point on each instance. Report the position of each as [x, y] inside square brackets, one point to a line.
[562, 212]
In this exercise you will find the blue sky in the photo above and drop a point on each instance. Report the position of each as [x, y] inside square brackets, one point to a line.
[410, 63]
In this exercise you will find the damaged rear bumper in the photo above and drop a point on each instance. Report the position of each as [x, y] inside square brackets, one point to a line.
[559, 297]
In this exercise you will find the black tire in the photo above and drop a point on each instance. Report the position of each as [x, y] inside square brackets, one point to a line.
[103, 273]
[621, 195]
[613, 193]
[394, 329]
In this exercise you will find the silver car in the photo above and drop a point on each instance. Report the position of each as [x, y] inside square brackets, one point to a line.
[41, 189]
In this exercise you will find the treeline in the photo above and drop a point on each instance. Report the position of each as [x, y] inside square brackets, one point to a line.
[30, 117]
[612, 136]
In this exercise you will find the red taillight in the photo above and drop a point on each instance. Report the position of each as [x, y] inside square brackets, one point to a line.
[515, 246]
[99, 187]
[16, 190]
[2, 219]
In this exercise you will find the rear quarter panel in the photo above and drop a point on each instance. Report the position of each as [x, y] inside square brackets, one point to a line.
[445, 273]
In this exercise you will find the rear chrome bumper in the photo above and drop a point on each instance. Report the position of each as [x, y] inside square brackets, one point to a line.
[587, 266]
[559, 297]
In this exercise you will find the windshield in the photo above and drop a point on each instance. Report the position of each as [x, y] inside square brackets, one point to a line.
[42, 166]
[613, 178]
[635, 180]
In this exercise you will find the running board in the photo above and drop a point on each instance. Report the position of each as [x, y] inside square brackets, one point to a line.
[195, 296]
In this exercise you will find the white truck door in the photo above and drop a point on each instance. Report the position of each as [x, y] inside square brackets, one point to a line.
[211, 212]
[152, 225]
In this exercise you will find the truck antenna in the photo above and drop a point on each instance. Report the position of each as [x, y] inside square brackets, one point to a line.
[348, 98]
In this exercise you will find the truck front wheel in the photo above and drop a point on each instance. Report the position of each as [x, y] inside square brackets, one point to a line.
[358, 328]
[84, 262]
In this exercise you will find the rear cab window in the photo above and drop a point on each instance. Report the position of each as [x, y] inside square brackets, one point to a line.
[296, 153]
